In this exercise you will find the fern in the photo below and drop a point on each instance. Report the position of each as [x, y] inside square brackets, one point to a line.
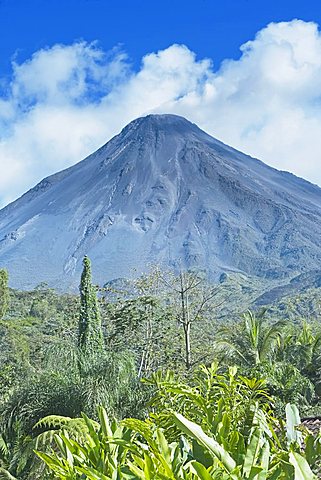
[57, 424]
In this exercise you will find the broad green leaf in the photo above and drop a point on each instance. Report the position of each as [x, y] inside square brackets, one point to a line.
[310, 451]
[199, 470]
[91, 474]
[265, 461]
[195, 431]
[164, 448]
[252, 452]
[302, 470]
[292, 421]
[104, 422]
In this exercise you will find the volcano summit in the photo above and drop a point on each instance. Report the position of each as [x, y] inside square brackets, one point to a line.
[162, 191]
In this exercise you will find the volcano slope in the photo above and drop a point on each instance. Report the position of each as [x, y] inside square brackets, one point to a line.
[162, 191]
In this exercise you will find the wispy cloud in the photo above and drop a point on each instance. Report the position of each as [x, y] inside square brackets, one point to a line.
[67, 100]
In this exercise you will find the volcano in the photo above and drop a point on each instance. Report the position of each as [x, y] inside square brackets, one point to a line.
[162, 192]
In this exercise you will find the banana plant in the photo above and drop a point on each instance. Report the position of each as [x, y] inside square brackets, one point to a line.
[257, 464]
[100, 454]
[222, 428]
[292, 422]
[135, 449]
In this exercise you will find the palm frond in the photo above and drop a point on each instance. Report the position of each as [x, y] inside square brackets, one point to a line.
[3, 447]
[57, 424]
[6, 475]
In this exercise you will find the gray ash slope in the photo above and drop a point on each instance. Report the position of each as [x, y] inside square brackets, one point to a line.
[162, 191]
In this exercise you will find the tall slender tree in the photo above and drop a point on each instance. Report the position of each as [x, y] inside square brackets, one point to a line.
[90, 336]
[4, 292]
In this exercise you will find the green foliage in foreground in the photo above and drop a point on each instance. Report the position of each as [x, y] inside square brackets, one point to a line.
[62, 356]
[252, 445]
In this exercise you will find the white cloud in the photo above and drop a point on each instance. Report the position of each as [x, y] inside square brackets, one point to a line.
[67, 100]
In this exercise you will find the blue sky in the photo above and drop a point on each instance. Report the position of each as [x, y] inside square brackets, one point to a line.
[74, 72]
[214, 29]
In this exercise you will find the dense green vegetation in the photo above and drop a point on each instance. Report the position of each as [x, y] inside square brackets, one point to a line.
[88, 382]
[232, 435]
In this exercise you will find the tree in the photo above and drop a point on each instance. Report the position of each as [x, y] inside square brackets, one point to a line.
[301, 346]
[252, 341]
[4, 293]
[138, 317]
[90, 337]
[193, 298]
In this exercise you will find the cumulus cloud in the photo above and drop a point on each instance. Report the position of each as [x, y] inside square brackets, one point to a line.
[267, 103]
[65, 101]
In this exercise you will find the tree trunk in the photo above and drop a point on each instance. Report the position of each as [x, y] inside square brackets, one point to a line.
[186, 322]
[187, 334]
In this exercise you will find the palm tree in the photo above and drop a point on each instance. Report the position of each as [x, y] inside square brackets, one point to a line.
[301, 346]
[252, 341]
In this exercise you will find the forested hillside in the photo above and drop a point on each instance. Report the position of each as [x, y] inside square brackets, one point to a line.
[162, 349]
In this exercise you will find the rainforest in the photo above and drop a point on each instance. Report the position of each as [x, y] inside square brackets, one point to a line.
[156, 378]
